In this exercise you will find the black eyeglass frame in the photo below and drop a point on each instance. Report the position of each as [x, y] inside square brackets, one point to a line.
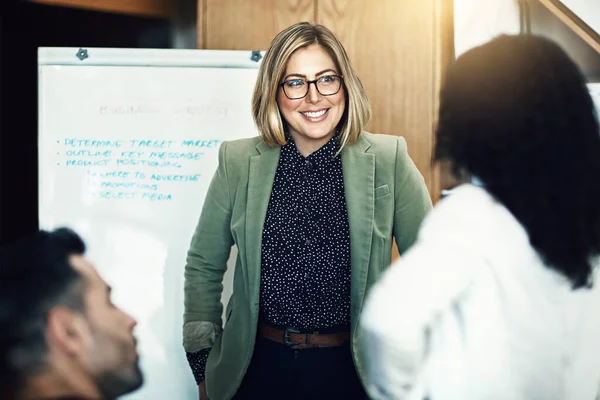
[316, 86]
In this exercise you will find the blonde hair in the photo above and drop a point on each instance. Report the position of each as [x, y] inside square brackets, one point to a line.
[264, 100]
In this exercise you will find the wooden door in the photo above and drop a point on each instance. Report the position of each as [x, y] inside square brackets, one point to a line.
[248, 25]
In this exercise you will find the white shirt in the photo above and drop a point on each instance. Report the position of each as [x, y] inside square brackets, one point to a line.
[472, 313]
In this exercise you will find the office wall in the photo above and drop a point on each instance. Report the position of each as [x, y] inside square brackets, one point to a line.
[398, 47]
[24, 27]
[184, 32]
[477, 22]
[543, 22]
[587, 10]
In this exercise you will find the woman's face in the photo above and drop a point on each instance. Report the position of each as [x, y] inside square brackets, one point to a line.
[312, 120]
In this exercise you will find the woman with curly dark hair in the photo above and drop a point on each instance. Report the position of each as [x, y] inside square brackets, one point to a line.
[498, 298]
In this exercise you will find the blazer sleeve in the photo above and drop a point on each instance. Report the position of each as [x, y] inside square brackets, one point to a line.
[207, 262]
[412, 198]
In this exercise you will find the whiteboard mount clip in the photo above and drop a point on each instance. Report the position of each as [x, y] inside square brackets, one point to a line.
[256, 56]
[82, 54]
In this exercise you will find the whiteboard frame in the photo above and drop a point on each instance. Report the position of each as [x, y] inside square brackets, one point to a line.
[98, 56]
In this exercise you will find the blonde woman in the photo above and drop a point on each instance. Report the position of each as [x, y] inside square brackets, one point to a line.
[313, 205]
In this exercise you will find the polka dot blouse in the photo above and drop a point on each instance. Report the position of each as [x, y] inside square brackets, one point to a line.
[305, 272]
[305, 275]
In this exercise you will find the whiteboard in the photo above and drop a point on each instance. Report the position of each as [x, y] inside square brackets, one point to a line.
[128, 143]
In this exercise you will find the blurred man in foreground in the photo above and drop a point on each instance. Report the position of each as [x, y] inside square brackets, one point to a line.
[61, 337]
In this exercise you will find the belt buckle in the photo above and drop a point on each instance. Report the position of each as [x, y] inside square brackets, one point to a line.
[286, 336]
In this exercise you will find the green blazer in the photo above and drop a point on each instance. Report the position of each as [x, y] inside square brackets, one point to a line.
[386, 198]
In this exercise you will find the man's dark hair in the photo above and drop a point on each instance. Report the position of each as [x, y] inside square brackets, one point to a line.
[35, 276]
[517, 114]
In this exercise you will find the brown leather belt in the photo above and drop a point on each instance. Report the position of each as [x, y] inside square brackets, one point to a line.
[296, 340]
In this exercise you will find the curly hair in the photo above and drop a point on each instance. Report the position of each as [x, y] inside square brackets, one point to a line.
[516, 113]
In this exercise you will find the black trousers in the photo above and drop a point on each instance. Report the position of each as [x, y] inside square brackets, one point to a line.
[279, 372]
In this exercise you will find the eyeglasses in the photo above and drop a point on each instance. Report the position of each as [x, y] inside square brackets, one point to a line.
[327, 85]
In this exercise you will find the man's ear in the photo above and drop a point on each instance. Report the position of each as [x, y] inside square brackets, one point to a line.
[67, 331]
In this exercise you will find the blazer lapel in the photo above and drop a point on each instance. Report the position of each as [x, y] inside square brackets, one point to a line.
[359, 184]
[260, 184]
